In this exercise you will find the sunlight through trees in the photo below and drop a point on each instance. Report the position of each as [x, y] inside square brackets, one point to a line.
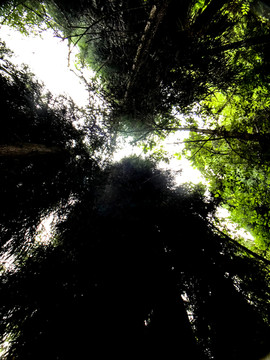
[134, 157]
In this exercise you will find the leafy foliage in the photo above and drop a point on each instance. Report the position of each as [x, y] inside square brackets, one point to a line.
[233, 153]
[239, 184]
[26, 16]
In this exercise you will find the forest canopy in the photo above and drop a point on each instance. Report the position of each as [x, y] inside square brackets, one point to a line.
[206, 60]
[132, 258]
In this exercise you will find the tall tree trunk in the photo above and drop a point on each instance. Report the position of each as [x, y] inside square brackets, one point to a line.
[27, 149]
[155, 18]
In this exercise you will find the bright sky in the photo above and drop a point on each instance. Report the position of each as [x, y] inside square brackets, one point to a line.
[47, 58]
[184, 172]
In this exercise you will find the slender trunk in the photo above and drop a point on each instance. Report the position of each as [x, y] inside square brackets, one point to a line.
[27, 149]
[155, 18]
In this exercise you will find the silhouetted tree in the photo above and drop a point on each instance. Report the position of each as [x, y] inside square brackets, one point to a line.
[137, 270]
[44, 155]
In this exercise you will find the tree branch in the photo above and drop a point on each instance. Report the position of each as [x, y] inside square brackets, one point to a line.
[259, 40]
[196, 141]
[242, 247]
[200, 148]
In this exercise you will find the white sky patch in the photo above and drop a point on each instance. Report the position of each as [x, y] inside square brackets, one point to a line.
[7, 263]
[125, 149]
[184, 172]
[44, 233]
[47, 57]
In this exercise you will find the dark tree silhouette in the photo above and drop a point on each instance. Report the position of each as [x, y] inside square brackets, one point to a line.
[43, 155]
[138, 270]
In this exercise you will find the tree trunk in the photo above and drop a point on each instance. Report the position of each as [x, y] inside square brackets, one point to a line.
[220, 133]
[204, 19]
[155, 18]
[258, 40]
[27, 149]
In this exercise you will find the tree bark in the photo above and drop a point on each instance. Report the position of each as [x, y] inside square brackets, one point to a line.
[27, 149]
[155, 18]
[223, 134]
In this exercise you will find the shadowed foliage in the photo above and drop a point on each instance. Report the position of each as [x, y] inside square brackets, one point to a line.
[139, 270]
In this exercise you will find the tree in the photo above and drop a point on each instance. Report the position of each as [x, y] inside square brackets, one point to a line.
[232, 151]
[44, 156]
[229, 133]
[132, 259]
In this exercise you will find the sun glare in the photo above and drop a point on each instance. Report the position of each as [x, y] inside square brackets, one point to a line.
[184, 172]
[48, 58]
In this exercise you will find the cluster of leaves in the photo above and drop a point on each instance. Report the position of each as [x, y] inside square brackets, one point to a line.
[234, 153]
[27, 16]
[240, 184]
